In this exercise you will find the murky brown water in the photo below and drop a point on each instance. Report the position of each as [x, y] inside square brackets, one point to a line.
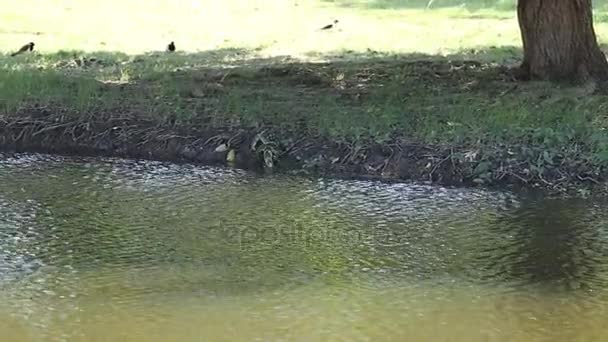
[111, 250]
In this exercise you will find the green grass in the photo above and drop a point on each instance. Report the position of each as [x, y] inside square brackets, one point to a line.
[429, 98]
[392, 68]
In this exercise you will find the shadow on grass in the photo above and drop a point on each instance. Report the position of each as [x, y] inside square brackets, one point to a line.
[351, 95]
[491, 54]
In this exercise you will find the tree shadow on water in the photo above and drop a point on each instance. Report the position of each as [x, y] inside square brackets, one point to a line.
[559, 245]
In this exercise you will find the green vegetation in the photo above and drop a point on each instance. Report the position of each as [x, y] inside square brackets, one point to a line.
[391, 72]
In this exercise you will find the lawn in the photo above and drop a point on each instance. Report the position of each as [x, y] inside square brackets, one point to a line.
[270, 27]
[388, 69]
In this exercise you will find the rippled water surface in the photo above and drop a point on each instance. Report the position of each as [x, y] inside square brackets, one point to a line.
[114, 250]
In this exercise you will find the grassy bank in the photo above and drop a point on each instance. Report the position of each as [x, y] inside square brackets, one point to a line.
[396, 90]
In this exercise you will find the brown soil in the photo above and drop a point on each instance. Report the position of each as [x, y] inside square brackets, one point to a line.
[38, 130]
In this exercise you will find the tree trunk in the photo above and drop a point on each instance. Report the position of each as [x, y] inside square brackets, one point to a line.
[559, 41]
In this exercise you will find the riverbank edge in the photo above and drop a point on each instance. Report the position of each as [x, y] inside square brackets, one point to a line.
[265, 149]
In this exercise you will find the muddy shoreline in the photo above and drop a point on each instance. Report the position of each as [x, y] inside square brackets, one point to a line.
[258, 149]
[307, 155]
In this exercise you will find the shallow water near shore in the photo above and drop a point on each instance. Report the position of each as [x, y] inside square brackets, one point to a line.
[108, 249]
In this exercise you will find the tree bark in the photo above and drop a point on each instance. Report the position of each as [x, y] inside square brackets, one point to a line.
[559, 41]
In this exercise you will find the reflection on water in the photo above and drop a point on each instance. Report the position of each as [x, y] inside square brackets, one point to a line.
[143, 251]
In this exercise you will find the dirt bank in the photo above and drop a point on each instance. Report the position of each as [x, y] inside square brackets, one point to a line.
[254, 149]
[436, 120]
[267, 149]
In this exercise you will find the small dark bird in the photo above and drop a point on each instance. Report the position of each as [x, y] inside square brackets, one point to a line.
[24, 48]
[327, 27]
[171, 47]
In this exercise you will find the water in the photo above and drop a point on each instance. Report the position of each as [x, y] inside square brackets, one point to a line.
[114, 250]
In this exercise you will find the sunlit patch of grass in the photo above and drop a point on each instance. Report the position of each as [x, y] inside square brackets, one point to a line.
[270, 28]
[273, 27]
[428, 4]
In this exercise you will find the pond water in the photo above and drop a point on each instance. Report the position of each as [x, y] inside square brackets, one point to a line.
[115, 250]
